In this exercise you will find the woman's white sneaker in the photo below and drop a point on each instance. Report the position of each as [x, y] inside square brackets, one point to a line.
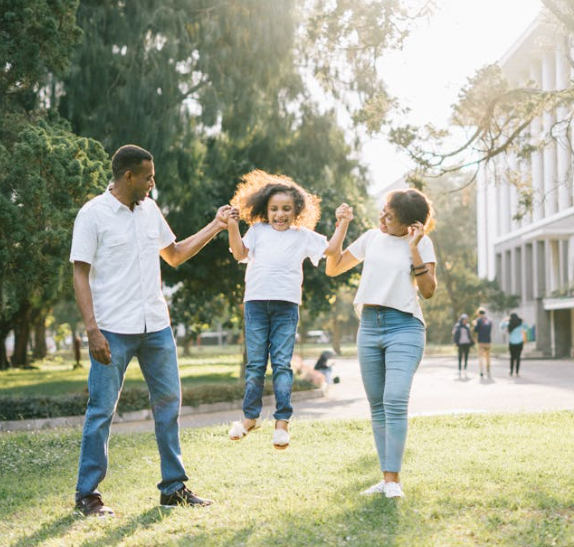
[393, 490]
[378, 488]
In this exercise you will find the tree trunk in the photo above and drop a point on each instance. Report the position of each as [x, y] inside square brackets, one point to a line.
[40, 347]
[4, 363]
[187, 340]
[21, 336]
[336, 334]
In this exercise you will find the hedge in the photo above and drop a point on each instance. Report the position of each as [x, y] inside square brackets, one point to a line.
[45, 406]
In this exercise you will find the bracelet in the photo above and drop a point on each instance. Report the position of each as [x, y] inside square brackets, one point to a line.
[421, 267]
[421, 273]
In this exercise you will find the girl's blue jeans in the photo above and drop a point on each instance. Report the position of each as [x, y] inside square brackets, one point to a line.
[391, 345]
[156, 353]
[270, 329]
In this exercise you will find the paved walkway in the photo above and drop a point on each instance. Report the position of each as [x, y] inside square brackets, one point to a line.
[543, 385]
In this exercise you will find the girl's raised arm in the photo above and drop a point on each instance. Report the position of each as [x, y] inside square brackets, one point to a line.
[238, 248]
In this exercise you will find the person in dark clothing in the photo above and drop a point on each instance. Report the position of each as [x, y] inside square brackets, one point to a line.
[515, 328]
[323, 366]
[483, 328]
[463, 340]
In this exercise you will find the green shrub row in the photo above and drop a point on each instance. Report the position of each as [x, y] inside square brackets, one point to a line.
[45, 406]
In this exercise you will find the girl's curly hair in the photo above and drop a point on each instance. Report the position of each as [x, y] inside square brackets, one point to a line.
[257, 187]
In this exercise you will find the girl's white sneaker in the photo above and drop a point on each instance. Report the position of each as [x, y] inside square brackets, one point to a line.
[280, 439]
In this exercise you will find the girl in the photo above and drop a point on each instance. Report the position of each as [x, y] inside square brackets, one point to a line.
[516, 329]
[281, 216]
[399, 262]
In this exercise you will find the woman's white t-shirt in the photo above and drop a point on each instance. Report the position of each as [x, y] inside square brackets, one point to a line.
[387, 279]
[275, 261]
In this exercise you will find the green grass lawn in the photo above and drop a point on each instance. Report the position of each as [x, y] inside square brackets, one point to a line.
[472, 480]
[208, 364]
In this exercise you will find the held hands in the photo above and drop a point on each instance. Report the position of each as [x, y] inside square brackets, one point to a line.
[344, 213]
[416, 232]
[222, 216]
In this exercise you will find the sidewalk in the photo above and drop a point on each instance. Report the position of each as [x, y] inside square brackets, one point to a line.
[437, 389]
[544, 385]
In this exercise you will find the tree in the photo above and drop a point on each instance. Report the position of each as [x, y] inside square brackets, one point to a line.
[492, 118]
[460, 290]
[46, 172]
[45, 179]
[215, 90]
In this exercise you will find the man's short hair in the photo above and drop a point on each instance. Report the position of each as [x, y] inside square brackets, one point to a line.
[128, 158]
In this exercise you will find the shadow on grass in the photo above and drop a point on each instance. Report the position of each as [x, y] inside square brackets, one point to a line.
[352, 519]
[117, 534]
[53, 529]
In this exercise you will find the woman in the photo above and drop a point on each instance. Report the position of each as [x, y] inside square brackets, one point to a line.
[463, 340]
[399, 261]
[515, 328]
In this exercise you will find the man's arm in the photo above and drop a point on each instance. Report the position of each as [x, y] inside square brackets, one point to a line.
[99, 347]
[180, 251]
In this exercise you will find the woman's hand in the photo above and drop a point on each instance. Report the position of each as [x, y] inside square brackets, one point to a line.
[344, 212]
[416, 232]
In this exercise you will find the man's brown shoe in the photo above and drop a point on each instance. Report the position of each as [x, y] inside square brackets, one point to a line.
[93, 506]
[184, 497]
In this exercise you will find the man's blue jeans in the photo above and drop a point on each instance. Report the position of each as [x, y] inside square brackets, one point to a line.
[270, 328]
[156, 353]
[391, 345]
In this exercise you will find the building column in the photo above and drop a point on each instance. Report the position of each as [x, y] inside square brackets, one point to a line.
[482, 225]
[563, 146]
[549, 155]
[536, 156]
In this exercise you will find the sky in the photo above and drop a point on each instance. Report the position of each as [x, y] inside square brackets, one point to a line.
[438, 57]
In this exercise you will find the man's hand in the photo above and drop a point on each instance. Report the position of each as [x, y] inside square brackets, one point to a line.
[99, 347]
[222, 217]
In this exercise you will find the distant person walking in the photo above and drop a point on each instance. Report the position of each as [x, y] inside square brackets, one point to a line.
[399, 263]
[483, 330]
[516, 329]
[462, 338]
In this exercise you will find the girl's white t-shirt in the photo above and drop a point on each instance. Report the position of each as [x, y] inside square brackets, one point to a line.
[275, 261]
[387, 279]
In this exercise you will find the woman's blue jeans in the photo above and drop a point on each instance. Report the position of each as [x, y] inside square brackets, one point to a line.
[391, 345]
[270, 329]
[156, 353]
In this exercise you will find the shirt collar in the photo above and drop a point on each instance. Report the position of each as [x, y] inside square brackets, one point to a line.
[113, 201]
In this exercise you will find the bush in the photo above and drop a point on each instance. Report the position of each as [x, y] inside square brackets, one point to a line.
[45, 406]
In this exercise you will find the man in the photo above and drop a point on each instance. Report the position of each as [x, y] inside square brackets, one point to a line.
[118, 239]
[483, 328]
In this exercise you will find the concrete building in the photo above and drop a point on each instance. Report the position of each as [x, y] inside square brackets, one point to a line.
[534, 257]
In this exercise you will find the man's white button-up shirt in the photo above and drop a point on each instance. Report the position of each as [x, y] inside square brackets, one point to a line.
[122, 247]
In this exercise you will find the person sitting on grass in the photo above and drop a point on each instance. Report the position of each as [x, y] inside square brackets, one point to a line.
[281, 215]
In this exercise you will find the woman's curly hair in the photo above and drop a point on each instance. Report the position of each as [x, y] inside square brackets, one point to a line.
[257, 187]
[412, 206]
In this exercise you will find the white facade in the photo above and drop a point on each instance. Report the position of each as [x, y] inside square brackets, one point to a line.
[534, 257]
